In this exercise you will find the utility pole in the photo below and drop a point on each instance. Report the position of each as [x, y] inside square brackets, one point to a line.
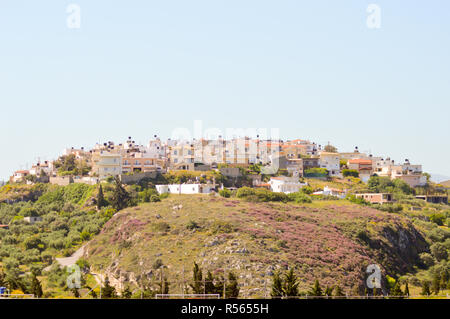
[182, 284]
[265, 288]
[101, 288]
[162, 282]
[224, 281]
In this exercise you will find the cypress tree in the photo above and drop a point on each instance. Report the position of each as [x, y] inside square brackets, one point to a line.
[338, 291]
[2, 278]
[290, 286]
[36, 287]
[197, 285]
[120, 198]
[92, 292]
[75, 292]
[126, 293]
[316, 290]
[100, 197]
[209, 284]
[444, 279]
[219, 286]
[406, 289]
[277, 286]
[436, 284]
[425, 289]
[108, 291]
[232, 288]
[163, 287]
[397, 290]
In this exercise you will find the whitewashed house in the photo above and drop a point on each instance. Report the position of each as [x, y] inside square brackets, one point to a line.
[328, 191]
[107, 164]
[283, 184]
[185, 188]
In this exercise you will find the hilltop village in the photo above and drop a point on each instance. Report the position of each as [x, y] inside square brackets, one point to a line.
[277, 165]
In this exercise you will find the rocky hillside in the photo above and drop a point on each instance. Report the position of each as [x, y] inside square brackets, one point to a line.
[332, 241]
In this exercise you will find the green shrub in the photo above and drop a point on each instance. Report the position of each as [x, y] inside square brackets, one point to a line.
[261, 195]
[222, 227]
[225, 193]
[145, 195]
[164, 195]
[439, 251]
[299, 197]
[306, 190]
[155, 198]
[316, 172]
[438, 218]
[391, 208]
[161, 227]
[85, 236]
[245, 192]
[350, 172]
[192, 225]
[357, 200]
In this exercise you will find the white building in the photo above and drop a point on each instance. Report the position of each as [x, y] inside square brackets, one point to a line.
[411, 174]
[107, 164]
[46, 167]
[330, 161]
[19, 176]
[283, 184]
[185, 188]
[155, 149]
[328, 191]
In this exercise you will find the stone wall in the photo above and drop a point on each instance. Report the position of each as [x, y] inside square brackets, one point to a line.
[135, 178]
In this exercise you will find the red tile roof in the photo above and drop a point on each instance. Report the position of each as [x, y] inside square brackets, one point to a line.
[360, 161]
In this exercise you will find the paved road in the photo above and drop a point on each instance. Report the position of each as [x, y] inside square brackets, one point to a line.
[68, 261]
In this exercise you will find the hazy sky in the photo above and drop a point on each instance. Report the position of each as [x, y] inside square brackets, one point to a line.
[313, 69]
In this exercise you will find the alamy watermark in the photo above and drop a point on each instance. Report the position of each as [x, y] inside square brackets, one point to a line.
[232, 146]
[374, 16]
[73, 20]
[374, 278]
[74, 278]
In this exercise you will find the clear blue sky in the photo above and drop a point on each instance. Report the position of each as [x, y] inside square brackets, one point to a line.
[311, 68]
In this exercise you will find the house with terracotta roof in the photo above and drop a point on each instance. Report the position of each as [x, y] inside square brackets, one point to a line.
[363, 166]
[19, 176]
